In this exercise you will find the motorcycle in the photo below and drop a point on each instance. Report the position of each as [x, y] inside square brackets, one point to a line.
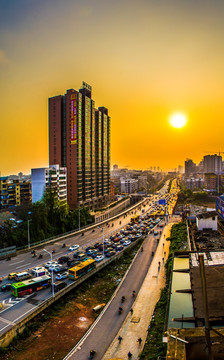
[120, 310]
[63, 246]
[40, 256]
[123, 299]
[92, 354]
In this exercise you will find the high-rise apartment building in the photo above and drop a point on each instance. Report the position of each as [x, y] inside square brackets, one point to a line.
[213, 164]
[79, 139]
[190, 167]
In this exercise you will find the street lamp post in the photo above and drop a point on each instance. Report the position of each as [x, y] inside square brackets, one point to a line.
[52, 277]
[103, 243]
[28, 228]
[79, 219]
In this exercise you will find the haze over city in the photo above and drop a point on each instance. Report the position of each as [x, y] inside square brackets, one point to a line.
[145, 60]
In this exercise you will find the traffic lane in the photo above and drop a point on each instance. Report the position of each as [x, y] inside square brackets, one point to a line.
[25, 261]
[110, 322]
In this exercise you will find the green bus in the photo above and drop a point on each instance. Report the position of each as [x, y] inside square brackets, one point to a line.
[81, 269]
[21, 288]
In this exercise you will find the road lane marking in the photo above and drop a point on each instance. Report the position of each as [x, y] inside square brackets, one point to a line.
[7, 321]
[16, 262]
[23, 265]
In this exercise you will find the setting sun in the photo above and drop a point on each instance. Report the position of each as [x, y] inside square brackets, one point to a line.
[178, 120]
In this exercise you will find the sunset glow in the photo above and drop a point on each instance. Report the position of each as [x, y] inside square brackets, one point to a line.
[178, 120]
[139, 66]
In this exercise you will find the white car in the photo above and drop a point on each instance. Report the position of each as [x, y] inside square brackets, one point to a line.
[99, 258]
[62, 276]
[127, 242]
[51, 263]
[73, 247]
[37, 269]
[54, 266]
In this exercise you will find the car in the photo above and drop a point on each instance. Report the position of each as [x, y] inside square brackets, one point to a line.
[73, 247]
[50, 263]
[96, 245]
[91, 251]
[127, 242]
[99, 258]
[5, 287]
[72, 263]
[76, 254]
[119, 247]
[59, 286]
[12, 275]
[62, 276]
[59, 268]
[63, 259]
[95, 255]
[37, 268]
[111, 253]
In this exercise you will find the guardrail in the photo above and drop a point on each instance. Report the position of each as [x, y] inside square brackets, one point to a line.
[77, 232]
[18, 328]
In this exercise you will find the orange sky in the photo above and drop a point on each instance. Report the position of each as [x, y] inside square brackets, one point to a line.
[144, 59]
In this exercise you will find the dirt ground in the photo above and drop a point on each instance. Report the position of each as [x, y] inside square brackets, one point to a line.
[57, 336]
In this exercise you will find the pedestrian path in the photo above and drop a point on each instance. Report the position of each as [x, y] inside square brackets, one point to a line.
[136, 325]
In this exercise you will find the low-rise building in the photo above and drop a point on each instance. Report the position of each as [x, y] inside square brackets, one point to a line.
[207, 220]
[14, 192]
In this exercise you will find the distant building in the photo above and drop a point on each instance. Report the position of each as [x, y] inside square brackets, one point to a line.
[212, 164]
[195, 183]
[53, 177]
[207, 220]
[129, 185]
[190, 167]
[210, 182]
[142, 183]
[14, 193]
[180, 169]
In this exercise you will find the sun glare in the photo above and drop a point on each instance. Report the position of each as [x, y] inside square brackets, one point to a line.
[178, 120]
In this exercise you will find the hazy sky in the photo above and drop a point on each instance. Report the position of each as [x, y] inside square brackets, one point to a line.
[145, 59]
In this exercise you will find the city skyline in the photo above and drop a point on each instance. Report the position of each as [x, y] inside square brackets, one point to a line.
[144, 60]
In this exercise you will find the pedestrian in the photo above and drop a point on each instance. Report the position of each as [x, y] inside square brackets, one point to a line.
[120, 338]
[139, 341]
[131, 311]
[133, 293]
[129, 355]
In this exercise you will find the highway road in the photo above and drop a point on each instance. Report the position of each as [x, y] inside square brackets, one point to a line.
[106, 326]
[19, 308]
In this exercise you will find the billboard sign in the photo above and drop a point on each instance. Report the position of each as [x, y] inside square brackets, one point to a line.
[73, 118]
[220, 207]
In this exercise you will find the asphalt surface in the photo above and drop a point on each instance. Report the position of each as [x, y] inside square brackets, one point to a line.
[107, 326]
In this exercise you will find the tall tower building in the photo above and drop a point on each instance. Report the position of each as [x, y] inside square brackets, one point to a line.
[213, 164]
[79, 139]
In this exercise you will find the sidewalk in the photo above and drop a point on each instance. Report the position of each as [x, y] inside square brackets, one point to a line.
[136, 325]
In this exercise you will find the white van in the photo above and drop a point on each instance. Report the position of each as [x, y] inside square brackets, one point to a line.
[22, 276]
